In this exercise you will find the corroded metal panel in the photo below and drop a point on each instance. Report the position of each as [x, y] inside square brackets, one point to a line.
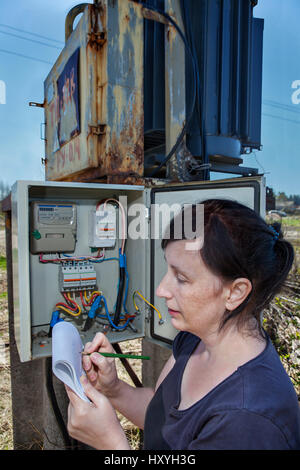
[94, 97]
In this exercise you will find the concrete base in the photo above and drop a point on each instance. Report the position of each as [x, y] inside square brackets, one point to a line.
[152, 369]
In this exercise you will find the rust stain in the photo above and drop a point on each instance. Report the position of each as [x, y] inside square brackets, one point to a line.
[154, 16]
[8, 223]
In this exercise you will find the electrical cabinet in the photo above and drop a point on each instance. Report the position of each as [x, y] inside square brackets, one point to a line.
[70, 242]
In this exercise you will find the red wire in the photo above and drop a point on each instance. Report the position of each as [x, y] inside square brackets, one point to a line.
[75, 308]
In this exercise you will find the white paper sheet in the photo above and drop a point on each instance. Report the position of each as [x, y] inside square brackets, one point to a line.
[66, 356]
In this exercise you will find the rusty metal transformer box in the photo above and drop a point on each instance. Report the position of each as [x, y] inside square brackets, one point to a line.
[94, 97]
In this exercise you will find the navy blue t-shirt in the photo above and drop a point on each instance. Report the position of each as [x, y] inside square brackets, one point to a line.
[256, 407]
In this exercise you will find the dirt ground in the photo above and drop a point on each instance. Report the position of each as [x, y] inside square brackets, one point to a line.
[281, 320]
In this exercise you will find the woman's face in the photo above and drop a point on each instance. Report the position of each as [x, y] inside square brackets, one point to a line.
[195, 297]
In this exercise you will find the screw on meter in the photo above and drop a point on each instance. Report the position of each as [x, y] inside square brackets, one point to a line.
[53, 227]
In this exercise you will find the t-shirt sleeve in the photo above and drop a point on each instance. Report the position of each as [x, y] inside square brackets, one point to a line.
[239, 430]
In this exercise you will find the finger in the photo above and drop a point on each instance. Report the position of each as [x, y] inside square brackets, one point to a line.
[87, 363]
[73, 397]
[100, 341]
[101, 362]
[87, 346]
[96, 397]
[92, 372]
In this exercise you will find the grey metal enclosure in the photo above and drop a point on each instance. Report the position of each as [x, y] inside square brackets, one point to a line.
[56, 262]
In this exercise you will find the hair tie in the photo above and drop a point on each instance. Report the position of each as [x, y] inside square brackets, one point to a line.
[276, 234]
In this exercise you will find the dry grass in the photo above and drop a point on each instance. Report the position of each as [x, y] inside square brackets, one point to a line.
[131, 431]
[6, 437]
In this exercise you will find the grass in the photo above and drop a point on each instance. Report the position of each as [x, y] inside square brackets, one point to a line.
[2, 262]
[6, 438]
[291, 221]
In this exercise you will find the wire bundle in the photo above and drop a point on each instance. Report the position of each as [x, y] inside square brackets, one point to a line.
[71, 307]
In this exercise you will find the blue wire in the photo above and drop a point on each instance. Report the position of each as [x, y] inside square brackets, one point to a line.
[126, 288]
[96, 302]
[109, 319]
[92, 260]
[101, 260]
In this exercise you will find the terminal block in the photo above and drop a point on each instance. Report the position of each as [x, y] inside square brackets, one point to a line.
[77, 275]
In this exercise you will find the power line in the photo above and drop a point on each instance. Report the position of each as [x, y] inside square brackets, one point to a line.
[31, 40]
[25, 56]
[276, 104]
[282, 118]
[29, 32]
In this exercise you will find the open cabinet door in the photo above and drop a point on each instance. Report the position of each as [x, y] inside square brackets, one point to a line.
[249, 191]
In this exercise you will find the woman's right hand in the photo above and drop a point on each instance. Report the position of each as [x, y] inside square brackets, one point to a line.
[101, 371]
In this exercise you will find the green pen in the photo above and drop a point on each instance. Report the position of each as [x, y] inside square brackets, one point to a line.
[126, 356]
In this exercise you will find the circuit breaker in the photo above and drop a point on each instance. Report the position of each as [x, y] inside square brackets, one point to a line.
[90, 254]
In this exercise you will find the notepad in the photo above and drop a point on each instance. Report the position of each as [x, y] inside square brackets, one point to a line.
[66, 356]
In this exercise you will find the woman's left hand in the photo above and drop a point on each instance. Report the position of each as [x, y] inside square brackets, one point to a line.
[96, 423]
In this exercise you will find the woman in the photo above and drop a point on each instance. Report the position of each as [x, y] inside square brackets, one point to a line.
[224, 387]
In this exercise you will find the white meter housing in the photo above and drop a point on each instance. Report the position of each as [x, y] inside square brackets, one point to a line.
[102, 227]
[53, 227]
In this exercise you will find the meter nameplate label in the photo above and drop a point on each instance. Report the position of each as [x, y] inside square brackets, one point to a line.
[56, 214]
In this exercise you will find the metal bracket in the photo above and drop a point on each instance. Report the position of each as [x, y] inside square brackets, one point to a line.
[36, 105]
[98, 38]
[98, 130]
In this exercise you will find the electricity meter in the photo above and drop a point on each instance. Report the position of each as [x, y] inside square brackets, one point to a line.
[102, 227]
[53, 227]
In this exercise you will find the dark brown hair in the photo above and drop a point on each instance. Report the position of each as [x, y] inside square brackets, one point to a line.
[239, 243]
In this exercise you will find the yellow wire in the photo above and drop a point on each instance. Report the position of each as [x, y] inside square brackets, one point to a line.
[95, 292]
[69, 311]
[147, 302]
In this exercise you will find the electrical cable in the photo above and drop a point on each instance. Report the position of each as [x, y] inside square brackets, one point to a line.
[116, 327]
[31, 40]
[147, 302]
[54, 404]
[187, 123]
[74, 310]
[26, 56]
[3, 25]
[199, 104]
[119, 296]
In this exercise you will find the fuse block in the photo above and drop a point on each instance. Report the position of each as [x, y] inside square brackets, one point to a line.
[77, 275]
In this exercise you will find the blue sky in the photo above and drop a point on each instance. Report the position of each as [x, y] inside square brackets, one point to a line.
[21, 148]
